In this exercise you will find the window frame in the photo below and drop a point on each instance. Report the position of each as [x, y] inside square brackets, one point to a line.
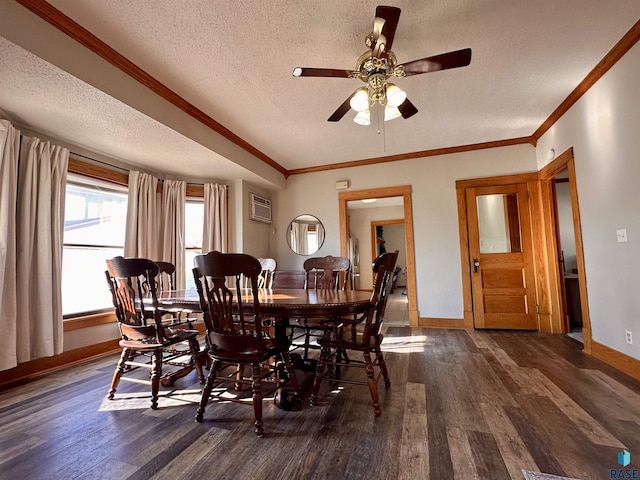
[81, 180]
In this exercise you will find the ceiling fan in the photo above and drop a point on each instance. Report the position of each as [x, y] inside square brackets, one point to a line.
[377, 65]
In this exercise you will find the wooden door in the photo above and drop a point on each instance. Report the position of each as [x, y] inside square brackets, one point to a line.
[500, 248]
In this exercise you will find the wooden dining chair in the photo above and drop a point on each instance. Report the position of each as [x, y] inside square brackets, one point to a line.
[268, 272]
[146, 343]
[237, 334]
[321, 273]
[361, 334]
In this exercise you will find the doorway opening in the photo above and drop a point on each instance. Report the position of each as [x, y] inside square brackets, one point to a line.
[570, 311]
[566, 252]
[404, 192]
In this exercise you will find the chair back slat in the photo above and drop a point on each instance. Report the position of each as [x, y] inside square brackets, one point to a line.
[166, 276]
[133, 290]
[232, 317]
[326, 273]
[383, 268]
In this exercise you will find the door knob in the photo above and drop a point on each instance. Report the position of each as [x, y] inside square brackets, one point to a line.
[476, 266]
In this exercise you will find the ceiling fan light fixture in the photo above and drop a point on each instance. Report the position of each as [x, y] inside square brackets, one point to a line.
[395, 96]
[297, 72]
[390, 113]
[363, 118]
[360, 100]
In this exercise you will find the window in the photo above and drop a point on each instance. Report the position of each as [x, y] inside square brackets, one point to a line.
[94, 230]
[193, 220]
[312, 239]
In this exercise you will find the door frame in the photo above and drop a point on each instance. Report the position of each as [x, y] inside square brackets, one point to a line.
[564, 161]
[463, 231]
[403, 191]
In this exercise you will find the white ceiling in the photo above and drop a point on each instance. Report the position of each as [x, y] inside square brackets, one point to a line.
[233, 61]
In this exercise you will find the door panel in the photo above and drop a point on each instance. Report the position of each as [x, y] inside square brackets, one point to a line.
[500, 245]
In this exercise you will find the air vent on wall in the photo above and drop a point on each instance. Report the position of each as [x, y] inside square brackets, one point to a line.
[260, 208]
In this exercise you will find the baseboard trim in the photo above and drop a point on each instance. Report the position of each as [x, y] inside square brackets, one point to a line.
[616, 359]
[452, 323]
[35, 368]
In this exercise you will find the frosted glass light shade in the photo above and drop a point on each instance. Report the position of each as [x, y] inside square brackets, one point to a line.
[360, 100]
[395, 96]
[363, 118]
[390, 113]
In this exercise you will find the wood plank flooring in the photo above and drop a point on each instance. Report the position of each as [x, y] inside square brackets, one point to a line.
[463, 405]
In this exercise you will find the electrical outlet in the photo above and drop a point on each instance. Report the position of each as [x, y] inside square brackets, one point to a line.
[621, 235]
[628, 337]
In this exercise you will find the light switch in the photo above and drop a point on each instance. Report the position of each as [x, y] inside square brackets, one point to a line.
[622, 235]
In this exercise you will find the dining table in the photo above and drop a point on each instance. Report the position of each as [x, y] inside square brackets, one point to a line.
[287, 305]
[284, 303]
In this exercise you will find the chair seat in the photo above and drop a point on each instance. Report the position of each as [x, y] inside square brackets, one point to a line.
[176, 336]
[246, 356]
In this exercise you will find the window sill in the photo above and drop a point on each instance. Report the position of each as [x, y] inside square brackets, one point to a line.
[91, 320]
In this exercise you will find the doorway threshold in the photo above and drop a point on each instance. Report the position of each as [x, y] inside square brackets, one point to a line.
[576, 335]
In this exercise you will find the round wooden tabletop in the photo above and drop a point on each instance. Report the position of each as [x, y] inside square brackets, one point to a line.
[285, 302]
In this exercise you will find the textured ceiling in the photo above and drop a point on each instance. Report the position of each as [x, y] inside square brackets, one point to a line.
[233, 61]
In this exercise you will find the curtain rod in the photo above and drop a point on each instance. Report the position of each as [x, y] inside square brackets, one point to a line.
[127, 170]
[99, 161]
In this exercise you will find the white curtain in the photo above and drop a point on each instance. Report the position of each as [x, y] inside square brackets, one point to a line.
[9, 149]
[299, 242]
[215, 225]
[142, 233]
[42, 176]
[172, 227]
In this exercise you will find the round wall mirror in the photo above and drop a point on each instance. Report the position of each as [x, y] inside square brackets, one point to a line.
[305, 235]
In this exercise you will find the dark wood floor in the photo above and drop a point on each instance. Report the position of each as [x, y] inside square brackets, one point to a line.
[463, 405]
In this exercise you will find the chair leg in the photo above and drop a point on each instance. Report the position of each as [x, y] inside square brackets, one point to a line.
[373, 384]
[256, 389]
[194, 346]
[286, 359]
[307, 342]
[383, 367]
[156, 374]
[206, 391]
[239, 377]
[324, 353]
[118, 372]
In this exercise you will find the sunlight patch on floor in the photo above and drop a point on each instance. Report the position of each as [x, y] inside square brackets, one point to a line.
[414, 343]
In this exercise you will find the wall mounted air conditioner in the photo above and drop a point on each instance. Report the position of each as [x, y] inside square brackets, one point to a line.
[260, 208]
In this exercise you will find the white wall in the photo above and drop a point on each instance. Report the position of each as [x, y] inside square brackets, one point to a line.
[435, 213]
[360, 222]
[255, 237]
[602, 127]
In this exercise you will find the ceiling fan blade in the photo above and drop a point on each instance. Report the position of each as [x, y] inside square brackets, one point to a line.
[390, 15]
[407, 109]
[320, 72]
[444, 61]
[341, 111]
